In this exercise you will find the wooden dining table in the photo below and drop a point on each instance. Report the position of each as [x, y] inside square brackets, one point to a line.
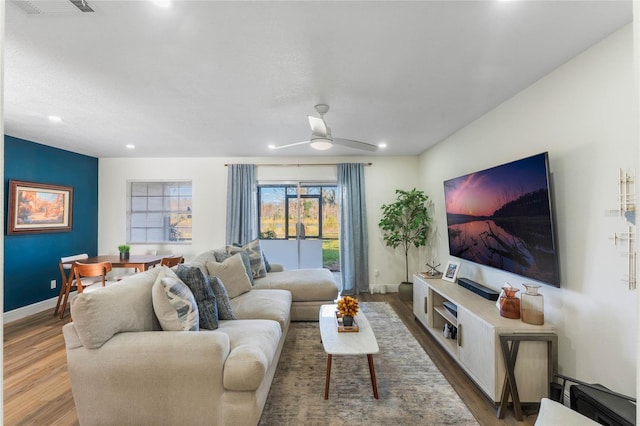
[141, 262]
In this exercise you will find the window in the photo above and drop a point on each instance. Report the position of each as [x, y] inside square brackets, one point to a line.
[159, 212]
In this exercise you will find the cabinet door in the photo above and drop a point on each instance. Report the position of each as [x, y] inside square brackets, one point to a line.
[420, 291]
[477, 350]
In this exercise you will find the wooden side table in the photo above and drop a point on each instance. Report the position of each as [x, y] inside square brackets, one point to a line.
[510, 355]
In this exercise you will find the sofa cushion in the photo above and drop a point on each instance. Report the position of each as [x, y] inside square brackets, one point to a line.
[255, 255]
[127, 305]
[174, 304]
[264, 304]
[233, 275]
[225, 311]
[253, 347]
[305, 285]
[193, 277]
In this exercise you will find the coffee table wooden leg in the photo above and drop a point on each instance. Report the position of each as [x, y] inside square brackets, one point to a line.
[372, 371]
[326, 383]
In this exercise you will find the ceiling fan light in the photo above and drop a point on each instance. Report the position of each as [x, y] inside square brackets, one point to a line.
[321, 144]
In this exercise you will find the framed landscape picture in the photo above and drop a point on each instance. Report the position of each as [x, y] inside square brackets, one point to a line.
[39, 207]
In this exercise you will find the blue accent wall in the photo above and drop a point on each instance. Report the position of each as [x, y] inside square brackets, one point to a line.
[31, 260]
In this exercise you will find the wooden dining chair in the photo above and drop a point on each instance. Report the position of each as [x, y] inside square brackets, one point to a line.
[84, 272]
[171, 261]
[68, 283]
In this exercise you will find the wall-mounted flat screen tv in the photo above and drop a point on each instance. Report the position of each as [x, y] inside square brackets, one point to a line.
[502, 217]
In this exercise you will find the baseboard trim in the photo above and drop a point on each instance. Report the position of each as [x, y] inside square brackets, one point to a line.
[34, 308]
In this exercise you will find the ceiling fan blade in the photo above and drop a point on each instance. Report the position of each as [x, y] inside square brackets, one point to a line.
[290, 145]
[349, 143]
[318, 126]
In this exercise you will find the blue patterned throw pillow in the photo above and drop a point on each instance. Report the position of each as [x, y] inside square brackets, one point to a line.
[225, 311]
[203, 293]
[258, 269]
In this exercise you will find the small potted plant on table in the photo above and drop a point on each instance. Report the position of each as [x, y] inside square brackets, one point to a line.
[348, 307]
[124, 251]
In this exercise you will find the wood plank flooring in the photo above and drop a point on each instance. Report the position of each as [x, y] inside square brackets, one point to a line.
[37, 390]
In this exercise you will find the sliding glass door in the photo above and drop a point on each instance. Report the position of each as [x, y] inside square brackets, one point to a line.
[299, 224]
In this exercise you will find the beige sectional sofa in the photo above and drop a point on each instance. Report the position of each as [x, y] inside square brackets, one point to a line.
[310, 288]
[125, 370]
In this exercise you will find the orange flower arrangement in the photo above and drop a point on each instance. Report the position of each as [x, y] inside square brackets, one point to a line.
[348, 306]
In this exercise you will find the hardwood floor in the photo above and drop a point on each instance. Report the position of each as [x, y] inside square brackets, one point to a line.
[37, 390]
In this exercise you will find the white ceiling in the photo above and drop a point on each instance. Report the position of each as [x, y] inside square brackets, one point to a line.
[226, 79]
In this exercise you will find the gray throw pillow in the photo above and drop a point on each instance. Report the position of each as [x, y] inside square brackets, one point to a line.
[203, 293]
[225, 311]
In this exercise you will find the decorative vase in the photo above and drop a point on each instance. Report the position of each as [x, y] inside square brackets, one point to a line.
[347, 320]
[532, 306]
[405, 290]
[509, 303]
[124, 256]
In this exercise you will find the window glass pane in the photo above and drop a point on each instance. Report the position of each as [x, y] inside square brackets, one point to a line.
[138, 234]
[155, 234]
[185, 190]
[138, 204]
[329, 213]
[155, 188]
[272, 211]
[138, 188]
[155, 203]
[172, 189]
[154, 220]
[138, 220]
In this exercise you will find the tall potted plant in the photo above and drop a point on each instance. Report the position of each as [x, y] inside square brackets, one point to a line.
[406, 222]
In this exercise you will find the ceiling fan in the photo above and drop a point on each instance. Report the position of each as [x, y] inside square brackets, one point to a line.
[321, 138]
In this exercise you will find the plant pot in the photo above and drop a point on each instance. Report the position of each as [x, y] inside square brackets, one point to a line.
[405, 290]
[347, 321]
[124, 256]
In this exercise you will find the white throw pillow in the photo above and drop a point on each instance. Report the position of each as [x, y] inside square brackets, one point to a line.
[233, 274]
[174, 303]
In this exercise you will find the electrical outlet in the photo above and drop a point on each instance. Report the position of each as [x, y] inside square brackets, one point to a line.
[376, 273]
[53, 284]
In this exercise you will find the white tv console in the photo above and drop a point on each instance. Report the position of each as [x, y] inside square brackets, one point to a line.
[477, 346]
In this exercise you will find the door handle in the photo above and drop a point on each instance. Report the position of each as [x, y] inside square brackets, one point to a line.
[459, 334]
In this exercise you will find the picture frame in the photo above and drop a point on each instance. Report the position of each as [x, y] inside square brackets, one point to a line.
[39, 208]
[451, 271]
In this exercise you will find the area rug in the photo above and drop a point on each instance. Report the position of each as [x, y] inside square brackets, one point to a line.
[412, 390]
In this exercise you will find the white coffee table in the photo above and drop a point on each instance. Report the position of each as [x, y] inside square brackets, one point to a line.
[362, 342]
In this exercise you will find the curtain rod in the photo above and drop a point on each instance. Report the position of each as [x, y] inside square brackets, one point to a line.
[303, 164]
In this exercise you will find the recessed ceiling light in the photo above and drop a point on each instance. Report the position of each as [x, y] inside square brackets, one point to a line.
[130, 146]
[382, 145]
[271, 146]
[55, 119]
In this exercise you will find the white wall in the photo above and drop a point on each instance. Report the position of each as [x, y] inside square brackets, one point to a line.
[209, 178]
[584, 114]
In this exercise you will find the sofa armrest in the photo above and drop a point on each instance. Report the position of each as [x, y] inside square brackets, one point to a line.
[553, 413]
[276, 267]
[159, 370]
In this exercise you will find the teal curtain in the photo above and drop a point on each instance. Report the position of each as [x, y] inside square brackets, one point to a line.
[242, 204]
[354, 238]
